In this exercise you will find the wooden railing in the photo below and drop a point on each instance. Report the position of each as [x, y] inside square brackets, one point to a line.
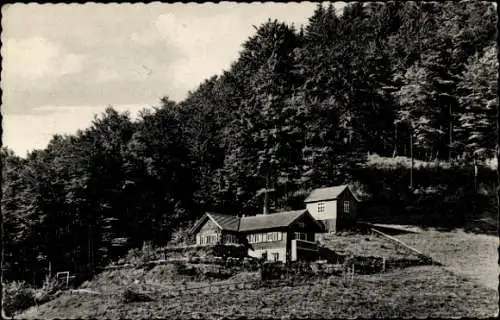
[304, 244]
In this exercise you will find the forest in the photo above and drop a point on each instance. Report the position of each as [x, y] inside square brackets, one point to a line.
[300, 108]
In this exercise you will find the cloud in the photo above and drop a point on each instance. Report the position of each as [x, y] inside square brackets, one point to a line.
[210, 42]
[204, 52]
[75, 56]
[118, 54]
[36, 58]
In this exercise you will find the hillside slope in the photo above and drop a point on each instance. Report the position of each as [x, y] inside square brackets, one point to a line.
[419, 291]
[455, 290]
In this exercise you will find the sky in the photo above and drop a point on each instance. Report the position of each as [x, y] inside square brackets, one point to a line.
[62, 64]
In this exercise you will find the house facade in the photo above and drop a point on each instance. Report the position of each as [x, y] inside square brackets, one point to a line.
[283, 236]
[334, 207]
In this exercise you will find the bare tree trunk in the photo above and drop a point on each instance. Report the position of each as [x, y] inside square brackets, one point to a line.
[411, 155]
[395, 142]
[451, 135]
[266, 196]
[498, 164]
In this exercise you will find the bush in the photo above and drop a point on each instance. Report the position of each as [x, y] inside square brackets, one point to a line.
[17, 296]
[130, 295]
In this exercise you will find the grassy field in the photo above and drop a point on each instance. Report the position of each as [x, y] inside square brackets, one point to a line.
[365, 245]
[428, 291]
[474, 256]
[463, 288]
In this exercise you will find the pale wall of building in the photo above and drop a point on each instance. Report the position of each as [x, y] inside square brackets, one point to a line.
[329, 213]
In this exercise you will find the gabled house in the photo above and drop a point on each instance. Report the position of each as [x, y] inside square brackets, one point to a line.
[335, 207]
[215, 228]
[283, 236]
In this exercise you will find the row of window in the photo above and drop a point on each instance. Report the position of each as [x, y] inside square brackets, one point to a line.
[322, 207]
[214, 238]
[265, 237]
[209, 238]
[252, 238]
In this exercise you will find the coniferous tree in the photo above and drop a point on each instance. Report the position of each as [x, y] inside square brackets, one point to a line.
[479, 101]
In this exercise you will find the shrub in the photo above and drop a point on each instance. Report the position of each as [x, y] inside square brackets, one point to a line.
[130, 295]
[17, 296]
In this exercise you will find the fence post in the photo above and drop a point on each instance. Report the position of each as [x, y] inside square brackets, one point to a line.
[383, 264]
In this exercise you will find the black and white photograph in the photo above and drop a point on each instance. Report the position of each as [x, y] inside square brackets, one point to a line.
[260, 160]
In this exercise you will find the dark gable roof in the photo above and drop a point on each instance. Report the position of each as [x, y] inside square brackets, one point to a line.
[270, 221]
[225, 222]
[251, 223]
[330, 193]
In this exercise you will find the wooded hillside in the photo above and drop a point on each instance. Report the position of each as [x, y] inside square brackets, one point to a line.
[299, 109]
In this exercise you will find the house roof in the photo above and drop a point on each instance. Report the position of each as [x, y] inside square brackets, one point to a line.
[251, 223]
[329, 193]
[270, 221]
[225, 222]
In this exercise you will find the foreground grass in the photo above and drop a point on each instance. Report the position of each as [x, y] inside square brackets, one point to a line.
[428, 291]
[474, 256]
[467, 286]
[365, 245]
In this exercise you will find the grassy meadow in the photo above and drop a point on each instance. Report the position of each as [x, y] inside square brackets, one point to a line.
[464, 287]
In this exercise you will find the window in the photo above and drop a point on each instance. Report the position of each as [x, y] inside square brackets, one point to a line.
[346, 206]
[231, 238]
[321, 207]
[276, 256]
[270, 236]
[300, 235]
[209, 238]
[252, 238]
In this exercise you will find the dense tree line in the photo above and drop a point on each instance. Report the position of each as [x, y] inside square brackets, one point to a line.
[298, 109]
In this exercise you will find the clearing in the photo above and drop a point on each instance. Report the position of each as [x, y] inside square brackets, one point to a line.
[465, 287]
[474, 256]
